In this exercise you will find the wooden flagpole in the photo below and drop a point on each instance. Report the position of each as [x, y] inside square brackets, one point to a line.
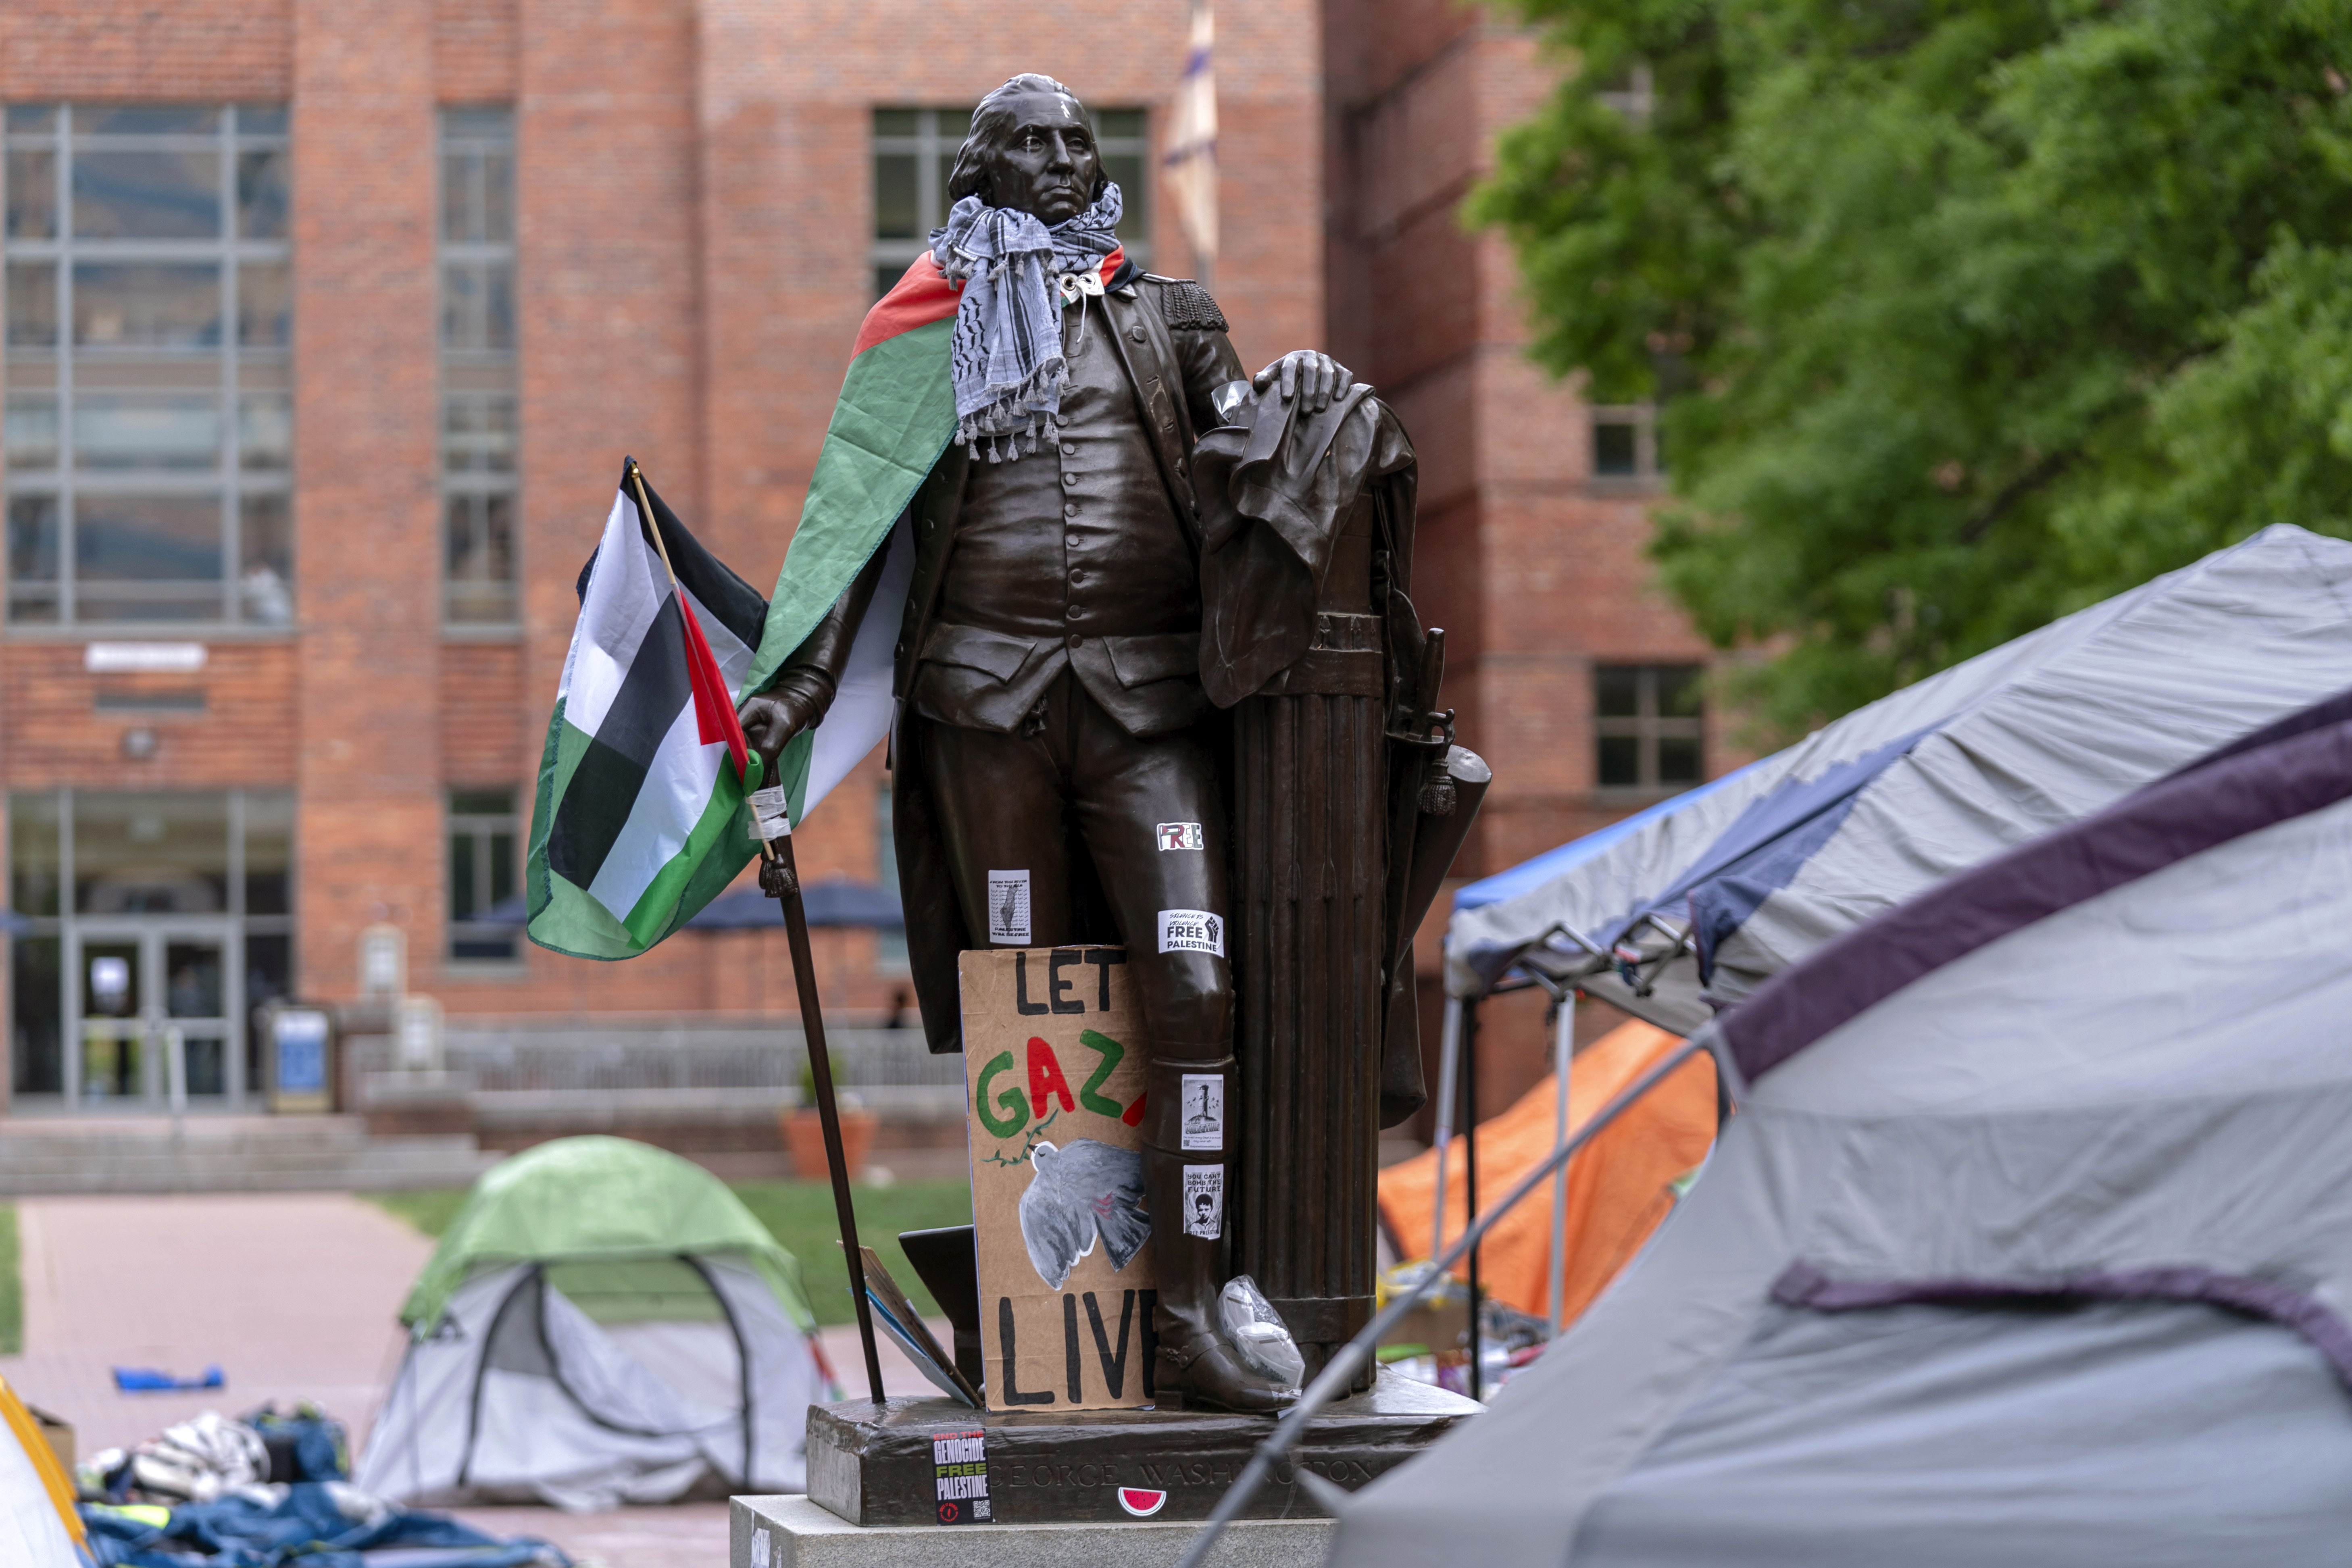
[780, 879]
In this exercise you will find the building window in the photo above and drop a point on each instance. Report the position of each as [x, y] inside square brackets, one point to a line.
[149, 424]
[151, 918]
[485, 902]
[1649, 725]
[478, 366]
[1626, 443]
[915, 149]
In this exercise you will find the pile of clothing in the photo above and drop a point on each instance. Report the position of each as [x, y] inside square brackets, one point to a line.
[266, 1491]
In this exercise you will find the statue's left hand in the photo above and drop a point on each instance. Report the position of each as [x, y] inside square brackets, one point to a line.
[1317, 379]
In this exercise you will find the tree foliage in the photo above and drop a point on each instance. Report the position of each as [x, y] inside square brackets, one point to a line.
[1964, 313]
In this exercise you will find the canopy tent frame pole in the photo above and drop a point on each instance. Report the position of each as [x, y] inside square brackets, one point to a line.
[1449, 1052]
[1469, 1109]
[1339, 1373]
[1563, 1053]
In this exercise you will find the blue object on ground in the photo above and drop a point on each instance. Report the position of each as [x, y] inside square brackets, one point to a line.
[146, 1380]
[305, 1523]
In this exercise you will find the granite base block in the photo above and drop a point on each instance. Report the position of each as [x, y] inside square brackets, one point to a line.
[791, 1531]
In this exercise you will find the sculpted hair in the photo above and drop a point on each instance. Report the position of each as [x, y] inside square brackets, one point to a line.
[991, 126]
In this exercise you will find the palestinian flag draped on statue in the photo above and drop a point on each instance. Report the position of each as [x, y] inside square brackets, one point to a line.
[640, 817]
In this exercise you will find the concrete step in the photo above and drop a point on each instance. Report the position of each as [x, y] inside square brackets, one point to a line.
[63, 1155]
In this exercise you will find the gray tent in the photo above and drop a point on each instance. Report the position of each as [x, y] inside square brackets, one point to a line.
[2032, 1243]
[603, 1322]
[1722, 886]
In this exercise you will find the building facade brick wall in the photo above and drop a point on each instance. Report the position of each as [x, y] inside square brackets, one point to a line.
[695, 197]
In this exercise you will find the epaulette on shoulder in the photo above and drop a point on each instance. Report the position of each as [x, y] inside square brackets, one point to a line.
[1187, 305]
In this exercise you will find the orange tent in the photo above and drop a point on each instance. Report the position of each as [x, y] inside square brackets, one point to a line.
[1618, 1185]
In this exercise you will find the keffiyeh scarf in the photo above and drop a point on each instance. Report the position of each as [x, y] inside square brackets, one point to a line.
[1006, 352]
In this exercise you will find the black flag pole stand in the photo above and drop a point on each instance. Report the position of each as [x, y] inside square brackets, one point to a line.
[780, 877]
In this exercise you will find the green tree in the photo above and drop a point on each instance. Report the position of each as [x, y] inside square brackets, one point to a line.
[1964, 313]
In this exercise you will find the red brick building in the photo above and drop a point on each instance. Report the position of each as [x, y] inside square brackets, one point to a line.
[326, 327]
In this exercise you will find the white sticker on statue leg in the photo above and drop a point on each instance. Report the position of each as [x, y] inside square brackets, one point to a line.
[1204, 1201]
[1204, 1097]
[1192, 931]
[760, 1554]
[1008, 909]
[1180, 836]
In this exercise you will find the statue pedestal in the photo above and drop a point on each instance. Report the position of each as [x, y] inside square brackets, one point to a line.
[790, 1532]
[892, 1465]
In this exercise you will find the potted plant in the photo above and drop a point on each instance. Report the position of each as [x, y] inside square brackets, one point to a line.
[805, 1128]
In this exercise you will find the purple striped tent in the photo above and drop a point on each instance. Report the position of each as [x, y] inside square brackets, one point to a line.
[2031, 1242]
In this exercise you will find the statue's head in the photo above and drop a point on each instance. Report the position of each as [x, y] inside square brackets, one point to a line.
[1030, 147]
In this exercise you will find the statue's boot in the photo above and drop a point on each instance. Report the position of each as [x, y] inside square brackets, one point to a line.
[1197, 1366]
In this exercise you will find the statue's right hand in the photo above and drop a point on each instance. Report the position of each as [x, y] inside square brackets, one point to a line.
[771, 718]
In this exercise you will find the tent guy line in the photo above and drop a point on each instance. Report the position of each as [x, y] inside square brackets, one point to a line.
[1340, 1370]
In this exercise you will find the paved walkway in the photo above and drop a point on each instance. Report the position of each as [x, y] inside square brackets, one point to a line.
[294, 1296]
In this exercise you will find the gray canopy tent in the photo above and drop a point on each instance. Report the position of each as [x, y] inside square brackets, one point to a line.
[1705, 897]
[2033, 1241]
[1692, 904]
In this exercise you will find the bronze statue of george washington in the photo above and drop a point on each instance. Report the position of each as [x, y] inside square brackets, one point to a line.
[1056, 735]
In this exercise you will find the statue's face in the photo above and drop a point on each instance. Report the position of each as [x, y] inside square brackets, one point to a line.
[1046, 166]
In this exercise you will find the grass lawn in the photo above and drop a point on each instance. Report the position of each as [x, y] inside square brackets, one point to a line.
[798, 1214]
[12, 1285]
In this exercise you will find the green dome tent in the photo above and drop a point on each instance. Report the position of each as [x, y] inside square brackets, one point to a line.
[603, 1322]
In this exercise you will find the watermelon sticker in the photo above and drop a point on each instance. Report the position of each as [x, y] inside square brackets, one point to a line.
[1142, 1504]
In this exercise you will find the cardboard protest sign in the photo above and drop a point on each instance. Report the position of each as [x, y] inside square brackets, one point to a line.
[1053, 1076]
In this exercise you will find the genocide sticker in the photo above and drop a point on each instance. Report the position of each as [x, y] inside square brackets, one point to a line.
[1205, 1112]
[761, 1549]
[1192, 930]
[1008, 908]
[960, 1468]
[1181, 836]
[1204, 1201]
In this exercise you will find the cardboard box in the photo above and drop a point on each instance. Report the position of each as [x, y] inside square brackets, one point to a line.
[1054, 1073]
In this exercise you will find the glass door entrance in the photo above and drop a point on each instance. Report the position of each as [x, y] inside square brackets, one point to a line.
[159, 1019]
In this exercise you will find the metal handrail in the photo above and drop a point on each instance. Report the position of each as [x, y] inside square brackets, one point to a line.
[1341, 1368]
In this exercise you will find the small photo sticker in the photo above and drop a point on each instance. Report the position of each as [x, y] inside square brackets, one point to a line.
[1181, 836]
[1008, 909]
[1205, 1112]
[1204, 1201]
[1192, 930]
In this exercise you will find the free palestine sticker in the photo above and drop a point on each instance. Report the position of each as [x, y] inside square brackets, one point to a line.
[1141, 1503]
[1180, 836]
[1192, 930]
[960, 1472]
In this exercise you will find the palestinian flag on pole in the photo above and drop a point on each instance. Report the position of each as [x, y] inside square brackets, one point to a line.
[642, 783]
[894, 417]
